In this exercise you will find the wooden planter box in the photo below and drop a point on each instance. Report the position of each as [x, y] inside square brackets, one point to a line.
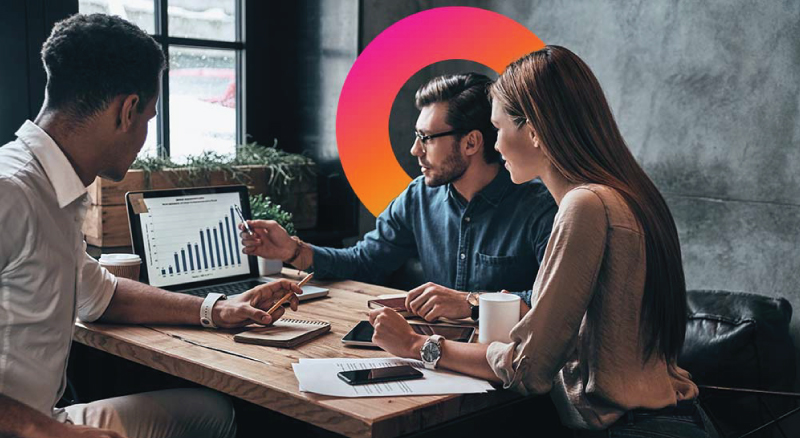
[106, 221]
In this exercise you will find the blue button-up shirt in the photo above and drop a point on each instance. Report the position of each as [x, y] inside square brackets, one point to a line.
[496, 241]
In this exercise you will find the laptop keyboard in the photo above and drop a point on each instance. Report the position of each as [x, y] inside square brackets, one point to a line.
[227, 289]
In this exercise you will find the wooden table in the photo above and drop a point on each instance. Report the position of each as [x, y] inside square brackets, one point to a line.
[264, 376]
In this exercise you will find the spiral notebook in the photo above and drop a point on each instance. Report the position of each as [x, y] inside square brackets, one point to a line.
[286, 333]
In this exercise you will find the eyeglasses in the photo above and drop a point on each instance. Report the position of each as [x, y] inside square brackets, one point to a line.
[425, 138]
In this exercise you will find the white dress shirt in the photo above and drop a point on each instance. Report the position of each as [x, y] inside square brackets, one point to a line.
[46, 277]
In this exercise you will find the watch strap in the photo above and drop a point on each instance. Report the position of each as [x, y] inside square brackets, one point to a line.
[206, 319]
[474, 309]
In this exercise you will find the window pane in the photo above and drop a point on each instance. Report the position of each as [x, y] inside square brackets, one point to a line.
[139, 12]
[208, 19]
[202, 101]
[149, 149]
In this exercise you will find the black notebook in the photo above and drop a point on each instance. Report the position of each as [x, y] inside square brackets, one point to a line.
[286, 333]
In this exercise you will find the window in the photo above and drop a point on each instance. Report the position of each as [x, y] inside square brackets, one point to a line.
[200, 107]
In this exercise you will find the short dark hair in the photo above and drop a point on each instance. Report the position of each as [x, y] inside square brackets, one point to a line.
[468, 109]
[91, 59]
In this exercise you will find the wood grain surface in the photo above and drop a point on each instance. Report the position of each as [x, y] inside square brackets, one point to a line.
[264, 376]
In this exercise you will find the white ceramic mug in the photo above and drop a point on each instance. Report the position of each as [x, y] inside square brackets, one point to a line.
[498, 313]
[122, 265]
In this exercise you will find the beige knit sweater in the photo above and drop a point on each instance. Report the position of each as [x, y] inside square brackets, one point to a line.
[581, 340]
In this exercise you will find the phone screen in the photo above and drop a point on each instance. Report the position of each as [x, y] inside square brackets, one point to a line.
[377, 375]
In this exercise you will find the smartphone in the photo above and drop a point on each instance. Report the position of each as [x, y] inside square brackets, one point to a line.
[378, 375]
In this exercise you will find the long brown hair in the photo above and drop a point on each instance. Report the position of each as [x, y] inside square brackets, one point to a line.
[557, 93]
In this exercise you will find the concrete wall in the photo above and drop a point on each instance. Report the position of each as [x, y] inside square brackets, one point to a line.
[298, 55]
[706, 95]
[23, 28]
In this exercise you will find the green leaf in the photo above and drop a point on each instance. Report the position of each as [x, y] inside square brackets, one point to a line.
[262, 208]
[283, 167]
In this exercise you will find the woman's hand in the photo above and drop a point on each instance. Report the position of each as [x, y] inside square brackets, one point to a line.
[394, 334]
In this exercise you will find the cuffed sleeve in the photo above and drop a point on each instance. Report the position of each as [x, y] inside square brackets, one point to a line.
[95, 289]
[501, 359]
[543, 339]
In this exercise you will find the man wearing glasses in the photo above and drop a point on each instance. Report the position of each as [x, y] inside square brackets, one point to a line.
[471, 228]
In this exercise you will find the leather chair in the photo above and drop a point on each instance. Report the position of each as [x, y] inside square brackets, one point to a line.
[739, 351]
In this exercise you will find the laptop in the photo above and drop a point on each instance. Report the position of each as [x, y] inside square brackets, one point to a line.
[189, 242]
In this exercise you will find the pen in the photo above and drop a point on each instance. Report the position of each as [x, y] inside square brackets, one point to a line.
[289, 295]
[241, 216]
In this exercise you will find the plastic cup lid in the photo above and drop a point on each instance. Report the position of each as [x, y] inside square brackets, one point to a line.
[120, 259]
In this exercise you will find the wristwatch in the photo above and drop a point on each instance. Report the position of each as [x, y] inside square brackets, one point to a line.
[472, 299]
[205, 309]
[431, 351]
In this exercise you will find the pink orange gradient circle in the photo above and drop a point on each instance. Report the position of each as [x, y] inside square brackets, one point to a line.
[362, 118]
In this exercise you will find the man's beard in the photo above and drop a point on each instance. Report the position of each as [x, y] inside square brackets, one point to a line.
[450, 171]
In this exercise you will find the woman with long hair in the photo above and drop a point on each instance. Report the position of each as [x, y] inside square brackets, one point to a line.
[608, 315]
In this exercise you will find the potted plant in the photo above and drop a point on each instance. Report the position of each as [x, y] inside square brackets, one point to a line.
[262, 208]
[288, 179]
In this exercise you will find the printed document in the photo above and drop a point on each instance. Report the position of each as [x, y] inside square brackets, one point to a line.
[320, 376]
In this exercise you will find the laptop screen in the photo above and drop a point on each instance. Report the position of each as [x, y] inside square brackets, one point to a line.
[189, 237]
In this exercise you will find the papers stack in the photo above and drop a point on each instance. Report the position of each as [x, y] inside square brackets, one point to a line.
[319, 376]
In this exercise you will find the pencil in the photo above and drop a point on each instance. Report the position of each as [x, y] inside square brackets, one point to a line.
[286, 297]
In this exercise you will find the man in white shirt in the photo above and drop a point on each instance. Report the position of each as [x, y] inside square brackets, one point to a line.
[102, 88]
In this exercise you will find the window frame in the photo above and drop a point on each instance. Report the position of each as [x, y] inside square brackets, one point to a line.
[162, 36]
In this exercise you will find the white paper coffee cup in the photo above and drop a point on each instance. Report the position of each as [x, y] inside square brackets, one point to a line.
[122, 265]
[498, 313]
[269, 266]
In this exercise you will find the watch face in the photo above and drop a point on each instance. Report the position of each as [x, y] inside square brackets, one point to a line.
[472, 299]
[431, 351]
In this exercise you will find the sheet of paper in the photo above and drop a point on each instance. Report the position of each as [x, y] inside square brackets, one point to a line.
[319, 376]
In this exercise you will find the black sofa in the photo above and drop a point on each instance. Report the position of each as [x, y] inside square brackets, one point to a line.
[739, 352]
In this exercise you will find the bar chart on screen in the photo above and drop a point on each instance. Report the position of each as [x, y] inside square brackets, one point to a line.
[192, 238]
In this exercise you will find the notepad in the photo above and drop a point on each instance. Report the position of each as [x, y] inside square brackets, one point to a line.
[286, 333]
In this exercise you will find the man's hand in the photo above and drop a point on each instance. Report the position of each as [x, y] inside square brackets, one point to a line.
[431, 302]
[252, 305]
[394, 334]
[270, 241]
